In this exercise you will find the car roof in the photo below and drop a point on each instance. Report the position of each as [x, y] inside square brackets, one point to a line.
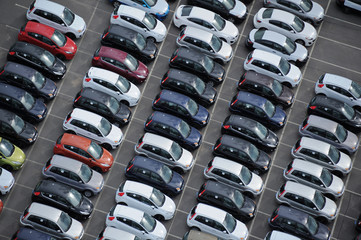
[166, 119]
[242, 121]
[137, 187]
[19, 69]
[122, 31]
[211, 212]
[6, 115]
[66, 163]
[282, 16]
[103, 74]
[220, 188]
[268, 57]
[45, 211]
[147, 163]
[52, 187]
[182, 76]
[191, 55]
[117, 233]
[196, 235]
[292, 213]
[198, 34]
[307, 167]
[131, 12]
[112, 53]
[300, 189]
[259, 78]
[274, 37]
[50, 6]
[157, 140]
[322, 123]
[277, 235]
[129, 212]
[175, 97]
[11, 90]
[86, 116]
[27, 48]
[95, 95]
[337, 80]
[251, 98]
[235, 142]
[28, 234]
[39, 28]
[201, 13]
[227, 165]
[322, 100]
[75, 140]
[314, 144]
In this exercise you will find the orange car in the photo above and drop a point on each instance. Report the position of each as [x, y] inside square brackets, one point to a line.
[84, 150]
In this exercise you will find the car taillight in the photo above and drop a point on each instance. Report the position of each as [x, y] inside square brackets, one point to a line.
[31, 9]
[200, 194]
[36, 193]
[121, 194]
[249, 60]
[88, 79]
[209, 169]
[111, 218]
[25, 216]
[139, 145]
[279, 195]
[289, 171]
[296, 149]
[11, 53]
[192, 216]
[241, 82]
[217, 146]
[130, 167]
[320, 85]
[234, 102]
[78, 97]
[46, 169]
[57, 145]
[68, 120]
[304, 126]
[155, 102]
[274, 218]
[165, 79]
[313, 107]
[173, 58]
[259, 21]
[115, 16]
[2, 72]
[226, 126]
[249, 41]
[148, 123]
[96, 58]
[181, 38]
[105, 35]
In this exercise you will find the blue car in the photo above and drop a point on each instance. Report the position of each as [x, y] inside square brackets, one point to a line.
[31, 234]
[159, 8]
[156, 174]
[181, 106]
[258, 108]
[174, 128]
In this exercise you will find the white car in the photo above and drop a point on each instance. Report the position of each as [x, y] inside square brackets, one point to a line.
[277, 235]
[112, 84]
[6, 181]
[140, 21]
[93, 126]
[58, 17]
[273, 65]
[279, 44]
[205, 42]
[146, 198]
[110, 233]
[287, 24]
[216, 222]
[135, 221]
[207, 20]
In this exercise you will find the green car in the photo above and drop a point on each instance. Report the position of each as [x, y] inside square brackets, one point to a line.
[11, 157]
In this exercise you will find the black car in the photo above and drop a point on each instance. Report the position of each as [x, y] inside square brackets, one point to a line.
[243, 152]
[250, 130]
[29, 79]
[358, 223]
[267, 87]
[298, 223]
[156, 174]
[38, 58]
[22, 103]
[15, 129]
[190, 85]
[182, 106]
[174, 128]
[63, 197]
[130, 41]
[227, 198]
[335, 110]
[104, 105]
[31, 234]
[197, 63]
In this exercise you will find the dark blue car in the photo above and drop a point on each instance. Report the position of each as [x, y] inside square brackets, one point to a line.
[156, 174]
[174, 128]
[31, 234]
[259, 109]
[181, 106]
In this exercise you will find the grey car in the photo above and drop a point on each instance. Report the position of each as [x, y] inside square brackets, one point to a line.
[74, 173]
[331, 132]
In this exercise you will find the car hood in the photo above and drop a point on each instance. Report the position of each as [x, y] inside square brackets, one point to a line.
[271, 139]
[337, 185]
[230, 29]
[279, 117]
[96, 181]
[241, 231]
[6, 178]
[86, 206]
[194, 137]
[351, 140]
[330, 208]
[142, 70]
[186, 159]
[309, 31]
[300, 52]
[263, 159]
[357, 119]
[210, 92]
[256, 183]
[78, 24]
[226, 50]
[59, 67]
[294, 74]
[344, 162]
[323, 232]
[159, 231]
[239, 9]
[249, 206]
[317, 11]
[29, 132]
[161, 7]
[287, 95]
[39, 108]
[202, 115]
[17, 156]
[169, 205]
[70, 46]
[76, 229]
[160, 28]
[115, 135]
[133, 92]
[218, 72]
[177, 181]
[49, 88]
[123, 112]
[106, 158]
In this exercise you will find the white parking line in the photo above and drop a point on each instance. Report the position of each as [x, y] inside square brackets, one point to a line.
[21, 6]
[296, 100]
[285, 144]
[341, 20]
[12, 28]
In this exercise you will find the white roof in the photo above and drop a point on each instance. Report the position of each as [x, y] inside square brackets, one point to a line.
[322, 123]
[156, 140]
[277, 235]
[315, 144]
[300, 189]
[201, 13]
[117, 234]
[211, 212]
[86, 116]
[337, 80]
[128, 212]
[50, 6]
[198, 34]
[65, 162]
[274, 37]
[227, 165]
[136, 187]
[268, 57]
[103, 74]
[282, 16]
[45, 211]
[307, 167]
[131, 12]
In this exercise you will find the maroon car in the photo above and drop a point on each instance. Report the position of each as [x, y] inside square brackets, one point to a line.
[120, 62]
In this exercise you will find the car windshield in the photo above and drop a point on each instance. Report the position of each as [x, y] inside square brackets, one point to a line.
[131, 63]
[355, 90]
[298, 24]
[200, 86]
[95, 150]
[17, 124]
[6, 148]
[148, 222]
[261, 131]
[319, 200]
[312, 225]
[306, 5]
[208, 64]
[348, 111]
[229, 4]
[238, 198]
[218, 22]
[27, 100]
[151, 3]
[290, 46]
[334, 154]
[277, 88]
[140, 41]
[229, 222]
[192, 107]
[253, 152]
[341, 133]
[122, 84]
[38, 79]
[157, 197]
[149, 21]
[326, 177]
[85, 173]
[113, 105]
[245, 175]
[176, 151]
[68, 16]
[184, 129]
[166, 173]
[58, 38]
[47, 58]
[105, 126]
[64, 221]
[269, 108]
[74, 197]
[284, 66]
[216, 43]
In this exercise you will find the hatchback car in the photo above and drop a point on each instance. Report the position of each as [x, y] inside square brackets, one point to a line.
[63, 197]
[235, 175]
[267, 87]
[156, 174]
[130, 41]
[112, 233]
[93, 126]
[174, 128]
[287, 24]
[25, 233]
[330, 132]
[205, 42]
[227, 198]
[84, 150]
[120, 62]
[194, 234]
[204, 19]
[58, 17]
[11, 156]
[7, 181]
[307, 199]
[136, 222]
[182, 106]
[277, 235]
[259, 109]
[190, 85]
[52, 221]
[166, 151]
[38, 58]
[73, 173]
[299, 223]
[273, 65]
[145, 198]
[217, 222]
[279, 44]
[48, 38]
[349, 6]
[139, 21]
[197, 63]
[28, 79]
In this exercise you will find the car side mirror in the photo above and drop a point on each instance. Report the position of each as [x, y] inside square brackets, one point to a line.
[143, 232]
[292, 31]
[63, 24]
[279, 74]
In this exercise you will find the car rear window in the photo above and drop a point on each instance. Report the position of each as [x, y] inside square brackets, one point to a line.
[267, 13]
[186, 10]
[297, 145]
[202, 189]
[58, 141]
[320, 80]
[305, 123]
[274, 215]
[259, 34]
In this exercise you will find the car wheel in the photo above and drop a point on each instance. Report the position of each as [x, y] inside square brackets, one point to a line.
[70, 35]
[98, 169]
[116, 4]
[248, 194]
[123, 203]
[125, 103]
[287, 84]
[309, 21]
[338, 174]
[182, 27]
[107, 146]
[263, 28]
[7, 167]
[357, 108]
[51, 179]
[322, 220]
[159, 217]
[300, 42]
[71, 132]
[152, 39]
[231, 19]
[220, 61]
[196, 228]
[88, 193]
[179, 170]
[346, 9]
[61, 57]
[35, 21]
[330, 196]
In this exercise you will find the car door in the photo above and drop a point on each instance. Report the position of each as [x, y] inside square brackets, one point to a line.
[103, 86]
[40, 223]
[127, 225]
[157, 181]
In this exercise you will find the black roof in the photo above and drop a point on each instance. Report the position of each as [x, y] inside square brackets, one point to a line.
[190, 54]
[6, 116]
[95, 95]
[20, 69]
[182, 76]
[174, 97]
[147, 163]
[122, 31]
[251, 98]
[52, 187]
[219, 189]
[235, 142]
[259, 78]
[241, 121]
[321, 100]
[292, 214]
[11, 91]
[27, 48]
[166, 118]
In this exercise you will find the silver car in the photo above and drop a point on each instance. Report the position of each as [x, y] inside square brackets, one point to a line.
[111, 233]
[6, 181]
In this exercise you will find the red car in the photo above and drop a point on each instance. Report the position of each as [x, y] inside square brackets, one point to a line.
[48, 38]
[84, 150]
[120, 62]
[1, 205]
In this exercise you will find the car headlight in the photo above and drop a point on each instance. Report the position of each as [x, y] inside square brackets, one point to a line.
[50, 94]
[105, 165]
[250, 214]
[84, 213]
[67, 52]
[295, 80]
[79, 31]
[178, 189]
[211, 99]
[281, 123]
[116, 141]
[17, 163]
[196, 144]
[5, 187]
[30, 139]
[39, 116]
[265, 167]
[289, 101]
[140, 76]
[309, 38]
[151, 55]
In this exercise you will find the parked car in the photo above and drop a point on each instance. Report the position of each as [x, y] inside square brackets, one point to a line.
[25, 233]
[84, 150]
[58, 17]
[140, 21]
[93, 126]
[73, 173]
[120, 62]
[63, 197]
[1, 206]
[358, 224]
[187, 15]
[38, 58]
[287, 24]
[11, 156]
[194, 234]
[112, 233]
[28, 79]
[130, 41]
[145, 198]
[348, 5]
[277, 235]
[156, 174]
[166, 151]
[48, 38]
[7, 181]
[197, 63]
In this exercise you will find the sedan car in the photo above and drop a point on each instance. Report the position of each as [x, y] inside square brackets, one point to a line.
[287, 24]
[11, 156]
[6, 181]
